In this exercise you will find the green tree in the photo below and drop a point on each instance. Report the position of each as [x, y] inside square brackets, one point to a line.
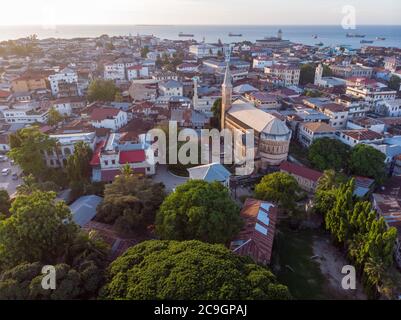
[327, 71]
[326, 153]
[39, 229]
[118, 97]
[144, 51]
[394, 83]
[216, 109]
[189, 270]
[199, 210]
[330, 179]
[54, 117]
[28, 146]
[102, 90]
[5, 203]
[307, 74]
[78, 164]
[368, 161]
[280, 188]
[130, 203]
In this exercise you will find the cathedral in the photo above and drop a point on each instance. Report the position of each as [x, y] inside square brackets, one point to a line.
[272, 136]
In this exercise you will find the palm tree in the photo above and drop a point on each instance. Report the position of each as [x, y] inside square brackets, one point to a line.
[329, 180]
[126, 170]
[378, 278]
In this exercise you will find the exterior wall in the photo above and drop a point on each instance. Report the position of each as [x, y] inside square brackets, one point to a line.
[66, 77]
[18, 116]
[307, 137]
[114, 124]
[177, 91]
[28, 85]
[272, 152]
[306, 184]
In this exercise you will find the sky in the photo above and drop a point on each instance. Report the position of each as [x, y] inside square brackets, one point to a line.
[203, 12]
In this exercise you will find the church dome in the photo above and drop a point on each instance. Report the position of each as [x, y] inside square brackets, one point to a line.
[276, 127]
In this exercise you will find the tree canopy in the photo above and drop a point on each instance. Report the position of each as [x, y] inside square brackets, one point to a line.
[102, 90]
[394, 83]
[367, 161]
[5, 203]
[216, 109]
[40, 232]
[326, 153]
[307, 74]
[78, 164]
[130, 203]
[54, 117]
[279, 187]
[27, 150]
[188, 270]
[199, 210]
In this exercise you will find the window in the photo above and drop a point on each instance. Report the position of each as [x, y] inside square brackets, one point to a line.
[106, 162]
[113, 161]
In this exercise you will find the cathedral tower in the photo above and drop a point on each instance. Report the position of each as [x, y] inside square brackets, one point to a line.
[226, 95]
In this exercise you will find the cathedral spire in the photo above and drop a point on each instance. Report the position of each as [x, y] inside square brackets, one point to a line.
[226, 91]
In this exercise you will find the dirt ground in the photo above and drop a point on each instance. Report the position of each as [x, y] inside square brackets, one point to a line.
[331, 262]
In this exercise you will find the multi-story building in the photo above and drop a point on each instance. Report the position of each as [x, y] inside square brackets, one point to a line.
[65, 76]
[288, 73]
[204, 50]
[137, 71]
[29, 82]
[171, 88]
[27, 113]
[354, 137]
[109, 118]
[111, 155]
[310, 131]
[351, 70]
[66, 146]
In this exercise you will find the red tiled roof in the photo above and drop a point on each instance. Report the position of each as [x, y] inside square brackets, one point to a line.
[132, 156]
[256, 244]
[301, 171]
[362, 135]
[96, 155]
[5, 94]
[135, 67]
[100, 114]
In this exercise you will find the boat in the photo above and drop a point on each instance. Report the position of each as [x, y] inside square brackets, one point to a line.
[366, 41]
[320, 44]
[380, 38]
[235, 34]
[355, 35]
[182, 34]
[315, 36]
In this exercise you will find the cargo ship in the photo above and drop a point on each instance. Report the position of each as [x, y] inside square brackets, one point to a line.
[366, 41]
[235, 34]
[355, 35]
[182, 34]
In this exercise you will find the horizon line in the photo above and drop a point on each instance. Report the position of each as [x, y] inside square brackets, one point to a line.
[195, 25]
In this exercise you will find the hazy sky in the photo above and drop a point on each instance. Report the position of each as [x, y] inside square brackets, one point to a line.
[43, 12]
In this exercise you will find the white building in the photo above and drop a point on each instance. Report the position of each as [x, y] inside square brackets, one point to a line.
[354, 137]
[262, 62]
[109, 118]
[390, 108]
[204, 50]
[66, 148]
[66, 75]
[310, 131]
[289, 74]
[171, 88]
[137, 72]
[27, 113]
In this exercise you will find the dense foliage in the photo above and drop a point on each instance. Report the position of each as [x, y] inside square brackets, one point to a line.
[5, 203]
[307, 74]
[216, 109]
[40, 232]
[189, 270]
[199, 210]
[27, 149]
[54, 117]
[367, 161]
[280, 188]
[326, 153]
[394, 83]
[130, 203]
[354, 225]
[102, 90]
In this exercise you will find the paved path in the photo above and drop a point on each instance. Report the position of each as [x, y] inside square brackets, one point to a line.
[6, 182]
[170, 181]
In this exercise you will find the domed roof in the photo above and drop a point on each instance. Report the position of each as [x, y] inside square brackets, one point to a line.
[276, 127]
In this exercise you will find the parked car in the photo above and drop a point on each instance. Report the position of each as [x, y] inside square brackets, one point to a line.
[15, 176]
[3, 158]
[5, 172]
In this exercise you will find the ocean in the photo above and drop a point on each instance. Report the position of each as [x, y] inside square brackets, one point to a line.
[328, 35]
